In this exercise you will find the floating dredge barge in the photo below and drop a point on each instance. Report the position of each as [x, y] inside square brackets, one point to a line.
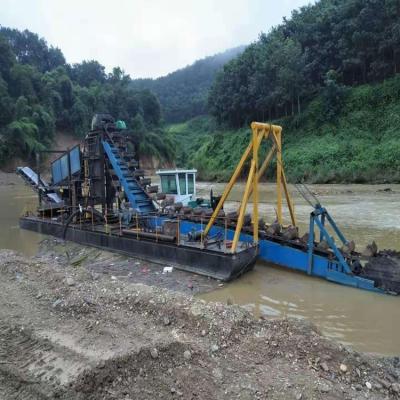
[99, 196]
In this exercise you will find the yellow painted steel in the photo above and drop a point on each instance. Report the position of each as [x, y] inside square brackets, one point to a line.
[256, 146]
[288, 199]
[229, 187]
[260, 131]
[243, 206]
[277, 136]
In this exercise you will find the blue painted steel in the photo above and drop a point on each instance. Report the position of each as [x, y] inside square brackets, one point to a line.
[75, 160]
[59, 167]
[310, 246]
[56, 171]
[316, 218]
[64, 166]
[139, 199]
[290, 257]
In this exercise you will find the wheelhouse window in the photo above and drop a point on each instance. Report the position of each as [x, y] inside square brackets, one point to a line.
[168, 184]
[182, 183]
[190, 183]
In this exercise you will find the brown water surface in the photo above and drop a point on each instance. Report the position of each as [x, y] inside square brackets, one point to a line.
[14, 199]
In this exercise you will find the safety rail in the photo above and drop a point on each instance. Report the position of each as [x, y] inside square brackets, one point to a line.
[113, 223]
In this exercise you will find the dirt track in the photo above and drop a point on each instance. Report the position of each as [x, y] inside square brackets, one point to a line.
[70, 333]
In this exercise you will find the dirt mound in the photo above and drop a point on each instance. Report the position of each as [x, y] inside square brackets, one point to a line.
[67, 333]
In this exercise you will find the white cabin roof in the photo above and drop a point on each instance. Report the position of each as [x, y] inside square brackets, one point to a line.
[176, 171]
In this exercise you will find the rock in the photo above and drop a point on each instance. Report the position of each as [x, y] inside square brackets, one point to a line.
[214, 348]
[323, 245]
[69, 281]
[101, 364]
[95, 276]
[386, 384]
[370, 250]
[203, 333]
[324, 388]
[368, 385]
[343, 368]
[217, 373]
[299, 396]
[358, 387]
[166, 321]
[378, 386]
[173, 390]
[324, 366]
[154, 353]
[187, 355]
[396, 387]
[113, 278]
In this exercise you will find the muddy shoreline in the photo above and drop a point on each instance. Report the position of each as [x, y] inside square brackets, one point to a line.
[77, 325]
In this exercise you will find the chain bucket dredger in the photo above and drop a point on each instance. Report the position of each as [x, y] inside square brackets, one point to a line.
[99, 196]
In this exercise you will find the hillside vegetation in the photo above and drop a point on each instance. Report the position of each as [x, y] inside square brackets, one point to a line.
[322, 49]
[183, 93]
[41, 94]
[329, 76]
[363, 145]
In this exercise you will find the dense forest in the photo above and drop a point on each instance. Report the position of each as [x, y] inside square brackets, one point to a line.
[330, 75]
[362, 146]
[183, 93]
[322, 48]
[41, 94]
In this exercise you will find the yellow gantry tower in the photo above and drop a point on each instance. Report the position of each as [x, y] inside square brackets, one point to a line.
[260, 132]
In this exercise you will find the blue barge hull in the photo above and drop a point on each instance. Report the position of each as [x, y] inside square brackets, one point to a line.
[289, 256]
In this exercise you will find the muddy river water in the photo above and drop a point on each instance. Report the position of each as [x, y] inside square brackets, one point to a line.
[367, 321]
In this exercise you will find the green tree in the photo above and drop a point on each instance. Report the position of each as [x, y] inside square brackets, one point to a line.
[88, 72]
[333, 96]
[23, 137]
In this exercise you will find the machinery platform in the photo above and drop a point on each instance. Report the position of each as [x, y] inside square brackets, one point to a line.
[216, 262]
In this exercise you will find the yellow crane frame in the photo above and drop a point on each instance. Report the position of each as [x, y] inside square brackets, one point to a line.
[260, 132]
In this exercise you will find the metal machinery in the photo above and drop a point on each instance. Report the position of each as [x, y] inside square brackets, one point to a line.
[106, 202]
[94, 188]
[260, 132]
[101, 173]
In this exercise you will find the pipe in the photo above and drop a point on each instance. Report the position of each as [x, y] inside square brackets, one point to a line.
[80, 211]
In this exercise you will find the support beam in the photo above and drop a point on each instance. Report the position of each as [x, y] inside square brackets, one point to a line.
[264, 165]
[277, 136]
[228, 188]
[231, 183]
[256, 146]
[288, 199]
[243, 206]
[310, 245]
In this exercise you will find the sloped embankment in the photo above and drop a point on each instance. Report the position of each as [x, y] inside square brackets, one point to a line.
[68, 333]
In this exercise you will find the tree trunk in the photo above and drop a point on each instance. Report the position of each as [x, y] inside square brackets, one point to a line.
[298, 105]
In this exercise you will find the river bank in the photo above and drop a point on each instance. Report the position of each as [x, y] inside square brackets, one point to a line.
[70, 332]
